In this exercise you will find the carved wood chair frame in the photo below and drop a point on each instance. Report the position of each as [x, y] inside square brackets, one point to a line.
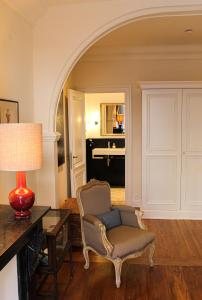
[106, 243]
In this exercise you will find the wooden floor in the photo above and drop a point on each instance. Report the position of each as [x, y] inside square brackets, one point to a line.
[118, 196]
[177, 274]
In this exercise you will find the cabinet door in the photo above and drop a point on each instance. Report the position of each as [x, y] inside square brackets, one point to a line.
[161, 148]
[192, 150]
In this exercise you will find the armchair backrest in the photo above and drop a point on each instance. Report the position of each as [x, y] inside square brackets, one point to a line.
[94, 197]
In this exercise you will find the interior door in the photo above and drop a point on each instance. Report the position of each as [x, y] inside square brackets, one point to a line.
[161, 149]
[76, 119]
[192, 150]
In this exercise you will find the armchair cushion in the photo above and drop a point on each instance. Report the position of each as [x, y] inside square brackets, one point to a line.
[93, 236]
[127, 239]
[128, 216]
[110, 219]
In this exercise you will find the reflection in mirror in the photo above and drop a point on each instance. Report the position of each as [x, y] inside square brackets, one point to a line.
[112, 118]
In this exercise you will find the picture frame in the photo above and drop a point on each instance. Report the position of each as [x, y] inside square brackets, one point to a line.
[112, 116]
[9, 111]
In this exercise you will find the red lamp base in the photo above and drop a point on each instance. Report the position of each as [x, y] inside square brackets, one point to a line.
[22, 214]
[21, 198]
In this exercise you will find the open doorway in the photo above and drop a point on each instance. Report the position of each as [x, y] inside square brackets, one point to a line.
[105, 131]
[98, 138]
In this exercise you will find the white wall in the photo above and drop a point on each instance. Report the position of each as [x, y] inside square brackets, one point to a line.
[15, 77]
[130, 72]
[61, 36]
[9, 281]
[92, 111]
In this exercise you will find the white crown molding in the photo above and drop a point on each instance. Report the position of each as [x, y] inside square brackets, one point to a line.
[30, 10]
[144, 85]
[143, 53]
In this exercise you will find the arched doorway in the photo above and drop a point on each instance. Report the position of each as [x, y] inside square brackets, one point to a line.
[73, 59]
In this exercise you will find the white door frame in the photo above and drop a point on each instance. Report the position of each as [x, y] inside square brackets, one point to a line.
[129, 185]
[77, 163]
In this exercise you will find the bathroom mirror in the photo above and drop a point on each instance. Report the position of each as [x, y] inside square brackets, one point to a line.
[112, 118]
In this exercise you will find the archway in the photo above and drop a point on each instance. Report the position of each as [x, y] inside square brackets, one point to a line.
[114, 24]
[86, 43]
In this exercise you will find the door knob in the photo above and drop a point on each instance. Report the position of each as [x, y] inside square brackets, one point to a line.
[75, 156]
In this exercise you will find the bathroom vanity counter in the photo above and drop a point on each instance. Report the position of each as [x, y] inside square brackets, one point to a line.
[108, 151]
[105, 159]
[20, 242]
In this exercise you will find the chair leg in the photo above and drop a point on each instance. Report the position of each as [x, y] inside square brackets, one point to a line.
[85, 254]
[118, 266]
[151, 254]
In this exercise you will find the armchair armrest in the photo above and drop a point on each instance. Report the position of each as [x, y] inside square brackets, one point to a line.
[94, 235]
[131, 216]
[92, 220]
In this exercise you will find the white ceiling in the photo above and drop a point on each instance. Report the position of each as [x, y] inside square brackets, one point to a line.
[32, 10]
[159, 31]
[147, 32]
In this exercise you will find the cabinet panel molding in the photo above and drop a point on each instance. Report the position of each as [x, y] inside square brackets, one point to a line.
[172, 151]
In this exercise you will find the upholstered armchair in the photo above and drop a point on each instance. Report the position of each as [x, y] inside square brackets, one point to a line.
[114, 232]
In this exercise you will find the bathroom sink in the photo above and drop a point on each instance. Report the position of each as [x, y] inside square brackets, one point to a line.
[108, 151]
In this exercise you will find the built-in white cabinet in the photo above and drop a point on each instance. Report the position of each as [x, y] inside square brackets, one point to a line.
[172, 152]
[191, 192]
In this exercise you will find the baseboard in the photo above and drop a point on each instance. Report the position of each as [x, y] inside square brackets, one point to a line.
[178, 215]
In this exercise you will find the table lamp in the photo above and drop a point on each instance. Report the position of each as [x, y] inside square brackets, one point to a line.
[20, 151]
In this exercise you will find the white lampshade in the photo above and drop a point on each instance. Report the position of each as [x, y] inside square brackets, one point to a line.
[20, 146]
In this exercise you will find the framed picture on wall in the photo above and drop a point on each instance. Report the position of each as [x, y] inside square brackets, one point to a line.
[9, 111]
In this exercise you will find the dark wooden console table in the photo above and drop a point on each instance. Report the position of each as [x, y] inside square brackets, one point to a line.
[74, 222]
[55, 249]
[22, 238]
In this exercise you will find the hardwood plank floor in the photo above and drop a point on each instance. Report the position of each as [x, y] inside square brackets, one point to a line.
[139, 282]
[177, 274]
[178, 243]
[118, 196]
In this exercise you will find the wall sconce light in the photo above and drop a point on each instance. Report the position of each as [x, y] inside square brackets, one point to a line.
[20, 151]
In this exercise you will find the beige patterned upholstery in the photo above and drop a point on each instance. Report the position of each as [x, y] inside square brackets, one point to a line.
[128, 240]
